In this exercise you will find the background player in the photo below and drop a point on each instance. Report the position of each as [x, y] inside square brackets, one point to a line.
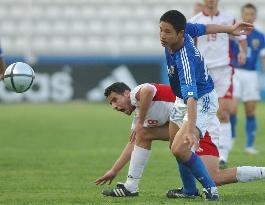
[215, 50]
[198, 7]
[156, 128]
[246, 84]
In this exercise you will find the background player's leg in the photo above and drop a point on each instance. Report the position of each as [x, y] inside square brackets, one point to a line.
[233, 117]
[225, 129]
[250, 126]
[235, 102]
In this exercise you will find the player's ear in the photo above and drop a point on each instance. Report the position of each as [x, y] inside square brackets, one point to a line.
[181, 33]
[126, 93]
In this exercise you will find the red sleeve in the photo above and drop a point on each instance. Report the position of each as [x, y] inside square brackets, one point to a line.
[164, 93]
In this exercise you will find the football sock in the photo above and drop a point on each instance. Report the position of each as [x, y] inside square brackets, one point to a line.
[188, 180]
[248, 173]
[251, 126]
[233, 121]
[138, 161]
[198, 169]
[225, 141]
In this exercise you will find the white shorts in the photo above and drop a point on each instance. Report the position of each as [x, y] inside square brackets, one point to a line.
[157, 115]
[246, 85]
[207, 107]
[222, 79]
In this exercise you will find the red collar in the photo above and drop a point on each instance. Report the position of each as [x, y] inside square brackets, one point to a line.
[206, 14]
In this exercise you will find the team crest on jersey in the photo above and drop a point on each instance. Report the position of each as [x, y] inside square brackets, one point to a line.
[171, 70]
[255, 43]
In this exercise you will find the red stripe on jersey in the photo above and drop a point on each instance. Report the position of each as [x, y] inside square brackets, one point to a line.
[164, 93]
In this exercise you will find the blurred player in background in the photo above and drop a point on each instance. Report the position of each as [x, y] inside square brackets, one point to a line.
[198, 7]
[246, 86]
[2, 65]
[153, 102]
[215, 50]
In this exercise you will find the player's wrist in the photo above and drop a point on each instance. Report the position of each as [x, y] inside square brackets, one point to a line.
[114, 171]
[230, 29]
[191, 128]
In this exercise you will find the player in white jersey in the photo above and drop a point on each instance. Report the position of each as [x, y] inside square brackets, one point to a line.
[152, 103]
[215, 50]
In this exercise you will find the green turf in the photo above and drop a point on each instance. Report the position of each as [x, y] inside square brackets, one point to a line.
[52, 154]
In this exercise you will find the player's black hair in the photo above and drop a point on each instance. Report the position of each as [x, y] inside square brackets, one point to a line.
[118, 87]
[250, 6]
[175, 18]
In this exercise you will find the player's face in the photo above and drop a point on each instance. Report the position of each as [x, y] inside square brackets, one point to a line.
[198, 7]
[211, 4]
[121, 102]
[168, 35]
[248, 15]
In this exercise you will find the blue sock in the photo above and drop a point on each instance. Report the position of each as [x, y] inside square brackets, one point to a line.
[188, 180]
[233, 121]
[251, 126]
[200, 172]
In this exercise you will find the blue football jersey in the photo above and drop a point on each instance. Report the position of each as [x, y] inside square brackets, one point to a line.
[187, 72]
[256, 45]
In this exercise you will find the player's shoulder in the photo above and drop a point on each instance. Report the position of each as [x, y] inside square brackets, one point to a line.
[196, 18]
[134, 91]
[258, 32]
[227, 18]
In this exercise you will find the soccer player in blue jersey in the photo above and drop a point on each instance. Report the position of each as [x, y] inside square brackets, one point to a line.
[246, 84]
[196, 101]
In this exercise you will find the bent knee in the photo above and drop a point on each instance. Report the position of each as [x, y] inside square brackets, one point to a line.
[178, 151]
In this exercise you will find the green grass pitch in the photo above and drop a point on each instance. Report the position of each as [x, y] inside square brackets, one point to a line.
[52, 154]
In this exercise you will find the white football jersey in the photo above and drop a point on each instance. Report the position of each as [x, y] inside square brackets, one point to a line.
[214, 47]
[159, 110]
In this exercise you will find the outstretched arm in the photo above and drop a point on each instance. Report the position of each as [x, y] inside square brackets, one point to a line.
[239, 28]
[118, 165]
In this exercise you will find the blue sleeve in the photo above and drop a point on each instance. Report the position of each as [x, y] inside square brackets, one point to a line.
[262, 42]
[187, 78]
[195, 30]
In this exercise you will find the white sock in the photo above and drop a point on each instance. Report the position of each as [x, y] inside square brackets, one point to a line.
[248, 173]
[138, 161]
[225, 141]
